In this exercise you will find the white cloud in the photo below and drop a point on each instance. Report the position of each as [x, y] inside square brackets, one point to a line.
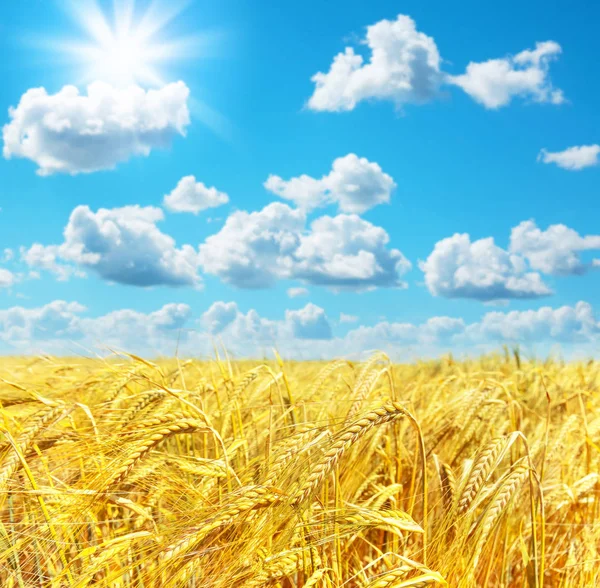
[354, 184]
[194, 197]
[459, 268]
[7, 278]
[403, 66]
[564, 324]
[52, 326]
[8, 254]
[128, 329]
[219, 316]
[58, 319]
[496, 82]
[46, 257]
[553, 251]
[309, 322]
[348, 318]
[297, 292]
[121, 245]
[304, 333]
[254, 250]
[242, 332]
[73, 133]
[574, 158]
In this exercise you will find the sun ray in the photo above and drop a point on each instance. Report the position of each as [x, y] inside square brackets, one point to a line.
[127, 47]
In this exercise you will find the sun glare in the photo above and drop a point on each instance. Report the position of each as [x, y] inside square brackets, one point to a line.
[124, 60]
[126, 46]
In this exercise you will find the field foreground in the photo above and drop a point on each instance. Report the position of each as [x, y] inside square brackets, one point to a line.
[182, 473]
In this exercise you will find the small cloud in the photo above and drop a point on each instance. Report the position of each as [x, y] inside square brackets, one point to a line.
[574, 158]
[309, 322]
[7, 278]
[192, 196]
[297, 292]
[348, 318]
[554, 251]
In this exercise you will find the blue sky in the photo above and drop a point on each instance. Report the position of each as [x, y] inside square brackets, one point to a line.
[442, 128]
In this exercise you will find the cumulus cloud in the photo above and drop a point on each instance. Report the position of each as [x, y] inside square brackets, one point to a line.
[459, 268]
[47, 257]
[52, 326]
[494, 83]
[129, 329]
[304, 334]
[122, 245]
[574, 158]
[7, 278]
[564, 324]
[219, 316]
[8, 254]
[192, 196]
[545, 326]
[239, 331]
[309, 322]
[403, 66]
[254, 250]
[58, 319]
[73, 133]
[297, 292]
[553, 251]
[354, 184]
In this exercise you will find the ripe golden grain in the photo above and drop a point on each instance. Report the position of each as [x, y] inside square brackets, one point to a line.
[182, 474]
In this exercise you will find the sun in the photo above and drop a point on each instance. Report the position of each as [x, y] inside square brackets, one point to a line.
[126, 46]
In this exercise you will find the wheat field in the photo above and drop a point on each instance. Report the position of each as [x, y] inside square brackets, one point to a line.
[126, 472]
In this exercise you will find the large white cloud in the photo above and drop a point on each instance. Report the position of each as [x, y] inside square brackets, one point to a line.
[573, 158]
[496, 82]
[254, 250]
[73, 133]
[459, 268]
[192, 196]
[354, 183]
[403, 66]
[122, 245]
[553, 251]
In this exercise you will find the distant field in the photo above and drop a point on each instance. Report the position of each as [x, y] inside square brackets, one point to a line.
[182, 473]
